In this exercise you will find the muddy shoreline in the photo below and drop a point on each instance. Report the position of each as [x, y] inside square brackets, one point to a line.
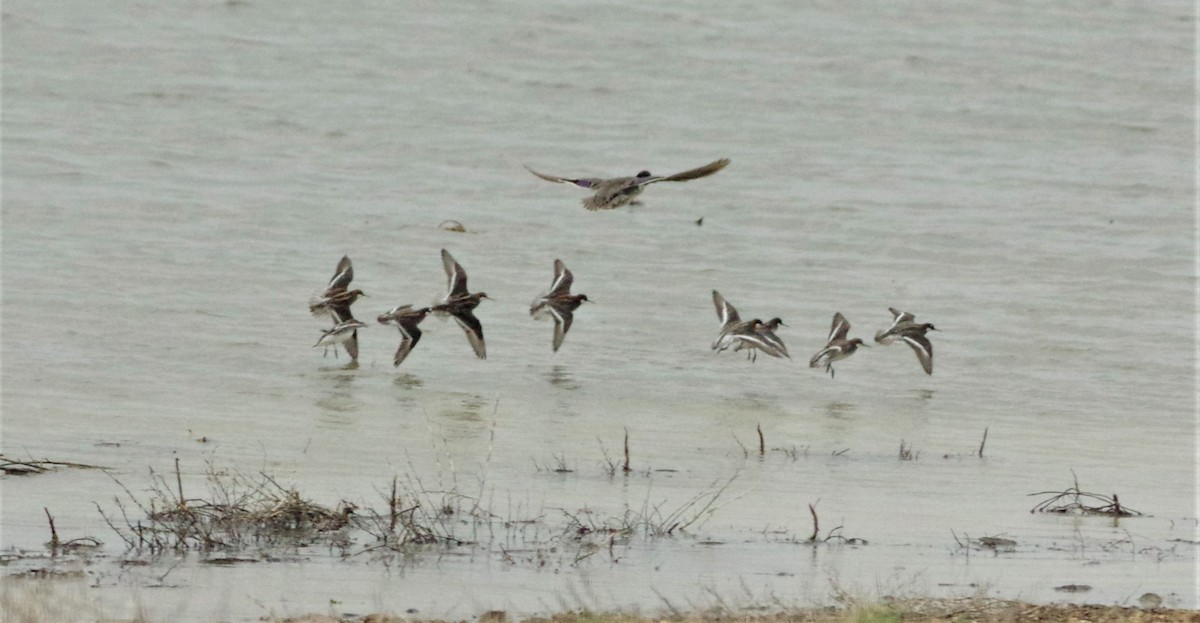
[49, 599]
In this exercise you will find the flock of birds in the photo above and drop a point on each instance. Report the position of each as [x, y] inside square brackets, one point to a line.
[752, 336]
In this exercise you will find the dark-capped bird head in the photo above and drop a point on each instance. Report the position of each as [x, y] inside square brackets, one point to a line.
[643, 174]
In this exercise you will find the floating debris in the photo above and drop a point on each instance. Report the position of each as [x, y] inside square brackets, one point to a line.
[28, 468]
[998, 544]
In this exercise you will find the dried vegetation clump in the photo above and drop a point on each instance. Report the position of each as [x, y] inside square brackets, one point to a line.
[1074, 501]
[238, 511]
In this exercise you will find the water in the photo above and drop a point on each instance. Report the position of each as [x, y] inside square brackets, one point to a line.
[178, 179]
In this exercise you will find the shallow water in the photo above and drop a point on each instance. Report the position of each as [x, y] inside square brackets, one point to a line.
[179, 179]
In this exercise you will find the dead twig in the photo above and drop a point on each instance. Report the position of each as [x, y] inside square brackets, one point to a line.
[625, 467]
[53, 533]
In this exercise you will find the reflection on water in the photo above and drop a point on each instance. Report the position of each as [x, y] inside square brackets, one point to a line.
[467, 409]
[839, 410]
[560, 377]
[407, 380]
[922, 394]
[337, 405]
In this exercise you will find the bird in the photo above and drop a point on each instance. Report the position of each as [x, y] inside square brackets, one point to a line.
[406, 320]
[904, 327]
[460, 303]
[344, 333]
[837, 347]
[558, 303]
[754, 335]
[335, 301]
[618, 191]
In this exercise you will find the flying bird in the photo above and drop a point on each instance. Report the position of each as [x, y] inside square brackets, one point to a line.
[406, 320]
[558, 303]
[335, 301]
[461, 304]
[837, 347]
[754, 335]
[344, 333]
[904, 327]
[618, 191]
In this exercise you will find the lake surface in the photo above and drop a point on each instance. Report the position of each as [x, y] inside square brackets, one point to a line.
[179, 178]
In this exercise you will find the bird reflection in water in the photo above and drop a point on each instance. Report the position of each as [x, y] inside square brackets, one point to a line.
[839, 410]
[338, 402]
[468, 409]
[407, 381]
[561, 377]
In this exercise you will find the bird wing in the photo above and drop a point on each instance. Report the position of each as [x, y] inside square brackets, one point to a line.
[838, 329]
[821, 357]
[343, 276]
[759, 341]
[408, 341]
[924, 349]
[726, 312]
[900, 316]
[456, 277]
[690, 174]
[768, 336]
[340, 312]
[562, 279]
[582, 182]
[474, 330]
[562, 324]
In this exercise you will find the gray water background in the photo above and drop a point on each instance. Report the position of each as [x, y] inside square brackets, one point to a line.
[179, 177]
